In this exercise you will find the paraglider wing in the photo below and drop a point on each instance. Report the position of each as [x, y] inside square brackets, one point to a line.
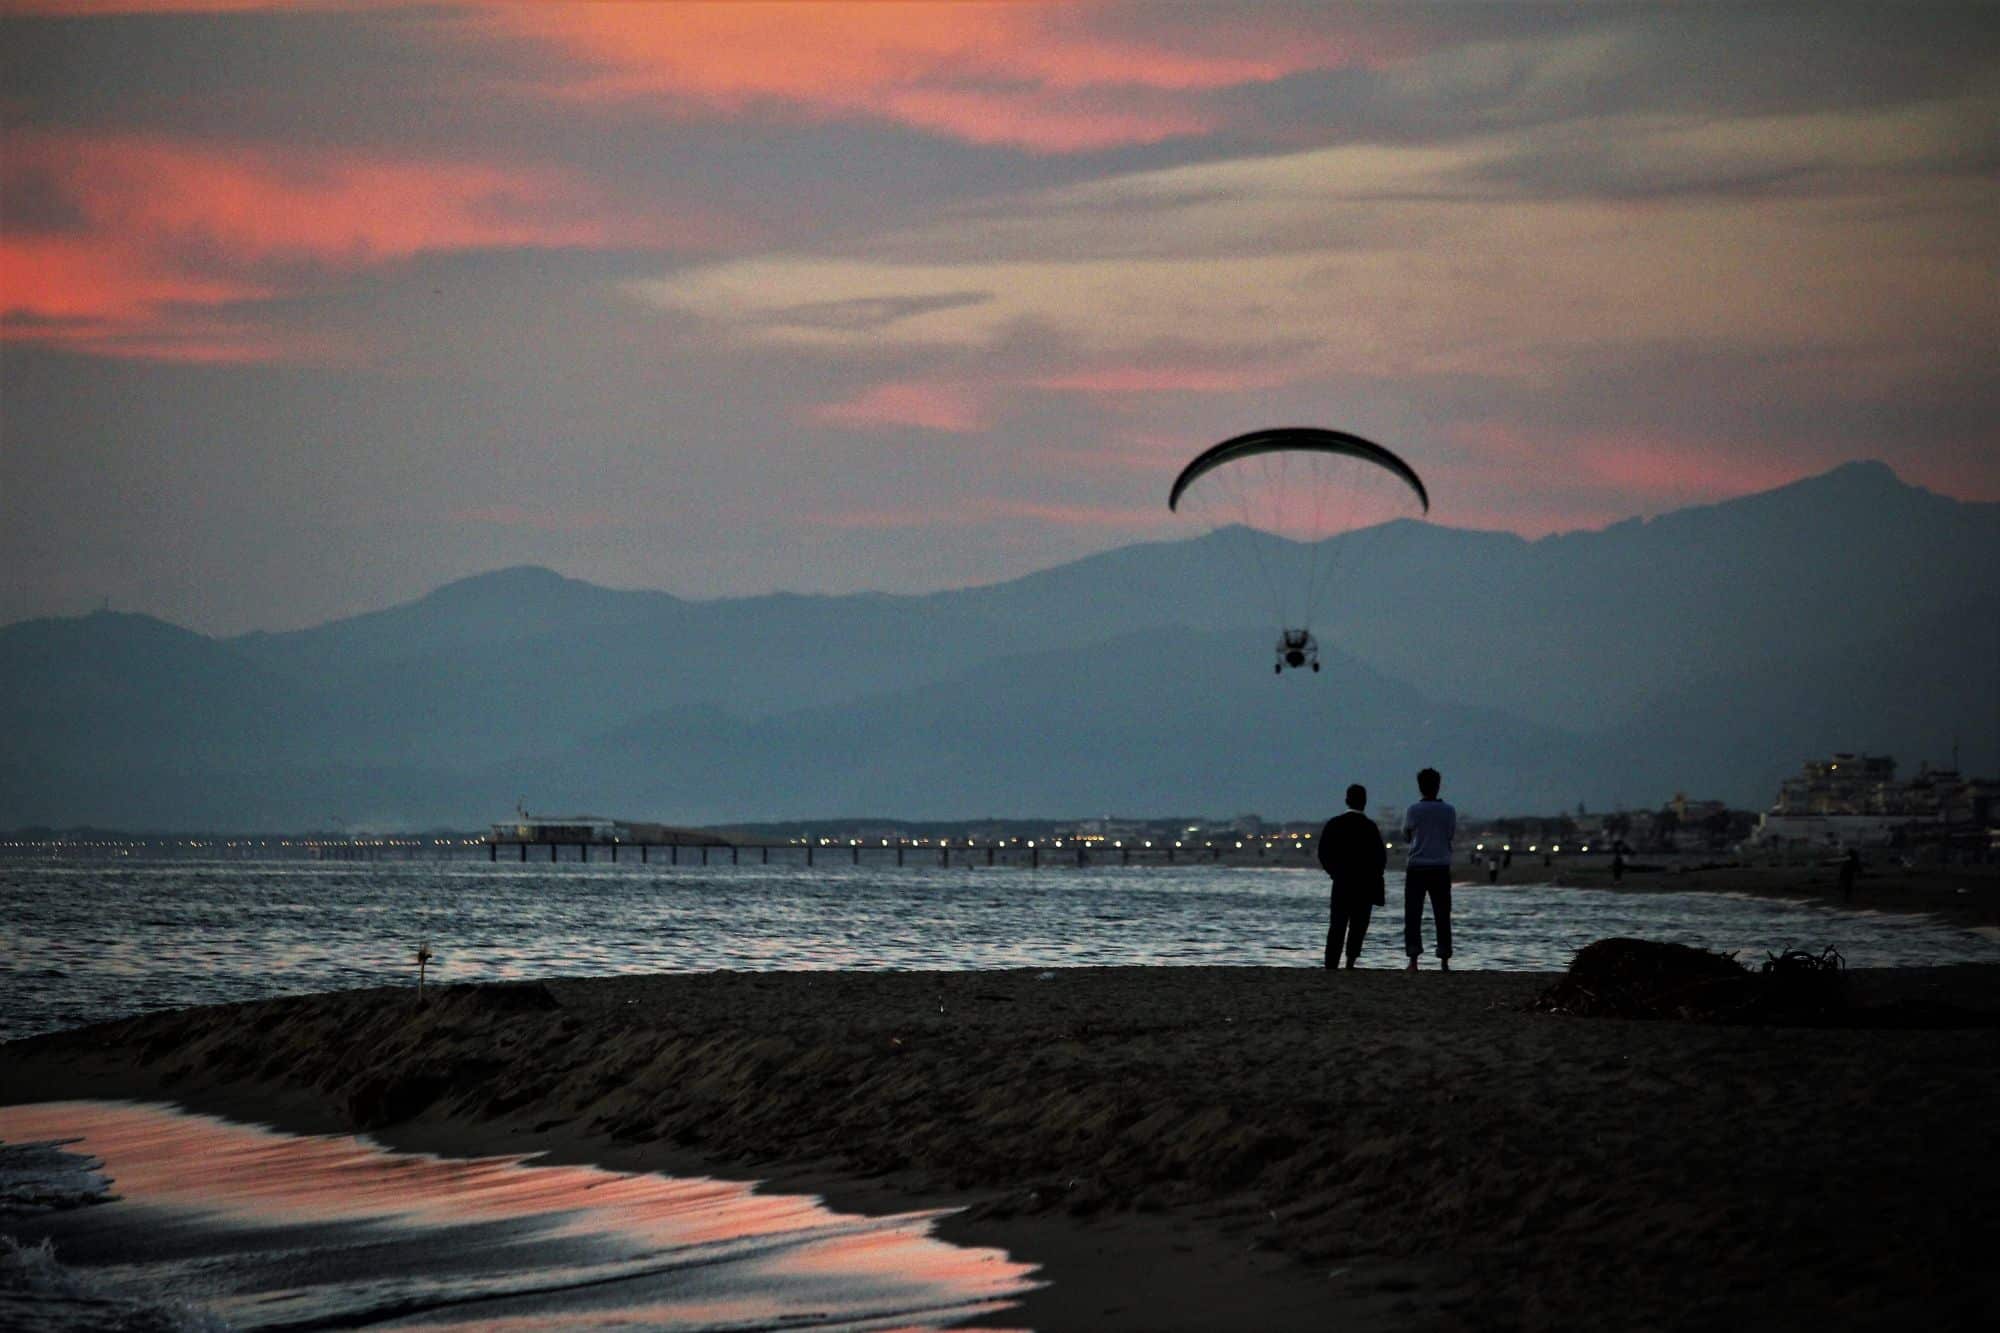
[1306, 438]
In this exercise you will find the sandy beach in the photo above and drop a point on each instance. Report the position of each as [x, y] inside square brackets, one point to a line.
[1199, 1147]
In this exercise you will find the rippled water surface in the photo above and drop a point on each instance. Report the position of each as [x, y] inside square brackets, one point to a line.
[82, 941]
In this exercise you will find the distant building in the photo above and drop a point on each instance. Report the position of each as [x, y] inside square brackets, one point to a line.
[1100, 830]
[1692, 813]
[569, 830]
[1854, 800]
[556, 828]
[1847, 784]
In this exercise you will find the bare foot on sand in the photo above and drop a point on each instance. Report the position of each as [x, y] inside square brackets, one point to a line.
[1412, 967]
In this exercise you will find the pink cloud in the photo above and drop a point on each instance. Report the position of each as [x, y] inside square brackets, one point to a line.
[1047, 78]
[1540, 482]
[1649, 465]
[173, 234]
[952, 408]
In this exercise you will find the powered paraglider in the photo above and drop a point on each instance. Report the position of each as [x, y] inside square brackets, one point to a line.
[1296, 501]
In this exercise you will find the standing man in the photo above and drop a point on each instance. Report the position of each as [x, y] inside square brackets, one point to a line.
[1429, 826]
[1352, 852]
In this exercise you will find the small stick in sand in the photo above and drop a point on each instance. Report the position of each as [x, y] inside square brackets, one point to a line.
[424, 956]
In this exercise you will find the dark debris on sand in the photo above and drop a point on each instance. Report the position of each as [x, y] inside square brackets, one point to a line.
[1653, 979]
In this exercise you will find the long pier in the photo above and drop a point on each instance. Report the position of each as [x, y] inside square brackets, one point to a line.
[528, 834]
[1032, 853]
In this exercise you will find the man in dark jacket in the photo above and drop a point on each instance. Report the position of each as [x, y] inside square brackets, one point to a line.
[1351, 851]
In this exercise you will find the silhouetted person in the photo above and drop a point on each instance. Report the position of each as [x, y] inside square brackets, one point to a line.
[1850, 866]
[1492, 870]
[1428, 826]
[1296, 647]
[1618, 865]
[1352, 852]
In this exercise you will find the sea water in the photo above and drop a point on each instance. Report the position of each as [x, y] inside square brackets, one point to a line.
[89, 940]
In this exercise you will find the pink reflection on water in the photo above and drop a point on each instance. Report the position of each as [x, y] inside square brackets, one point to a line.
[689, 1252]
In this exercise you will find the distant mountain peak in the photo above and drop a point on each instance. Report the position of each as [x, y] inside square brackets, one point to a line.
[1870, 472]
[1850, 489]
[510, 577]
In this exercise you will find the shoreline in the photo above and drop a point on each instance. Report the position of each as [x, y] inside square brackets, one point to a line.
[1963, 896]
[1191, 1147]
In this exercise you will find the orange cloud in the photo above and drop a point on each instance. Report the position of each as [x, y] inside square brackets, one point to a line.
[1039, 77]
[953, 408]
[159, 236]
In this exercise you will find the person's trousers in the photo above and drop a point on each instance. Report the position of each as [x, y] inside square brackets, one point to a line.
[1417, 882]
[1347, 924]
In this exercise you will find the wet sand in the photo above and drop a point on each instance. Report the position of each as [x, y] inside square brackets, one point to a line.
[277, 1230]
[1199, 1147]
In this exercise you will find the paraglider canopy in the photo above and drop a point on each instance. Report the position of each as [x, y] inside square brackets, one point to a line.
[1310, 439]
[1305, 505]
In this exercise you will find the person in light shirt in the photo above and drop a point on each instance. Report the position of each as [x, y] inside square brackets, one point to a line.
[1428, 826]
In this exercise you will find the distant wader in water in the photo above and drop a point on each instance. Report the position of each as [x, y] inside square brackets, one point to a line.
[1429, 826]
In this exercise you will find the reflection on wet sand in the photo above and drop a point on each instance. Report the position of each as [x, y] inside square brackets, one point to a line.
[267, 1230]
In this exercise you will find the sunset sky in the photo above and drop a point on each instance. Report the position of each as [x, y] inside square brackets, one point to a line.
[308, 309]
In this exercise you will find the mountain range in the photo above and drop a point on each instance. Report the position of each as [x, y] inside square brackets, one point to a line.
[1710, 649]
